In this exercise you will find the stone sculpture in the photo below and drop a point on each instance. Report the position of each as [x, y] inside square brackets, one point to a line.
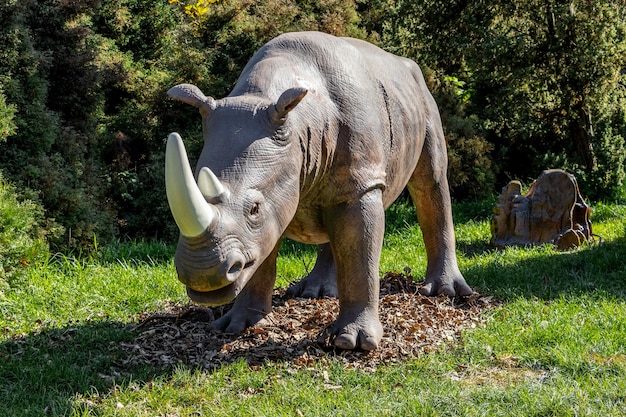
[318, 137]
[552, 211]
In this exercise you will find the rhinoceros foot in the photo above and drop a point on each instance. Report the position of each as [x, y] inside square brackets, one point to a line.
[321, 282]
[450, 284]
[254, 301]
[236, 321]
[358, 331]
[314, 286]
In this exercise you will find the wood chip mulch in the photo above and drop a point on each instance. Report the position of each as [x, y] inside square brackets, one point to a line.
[298, 331]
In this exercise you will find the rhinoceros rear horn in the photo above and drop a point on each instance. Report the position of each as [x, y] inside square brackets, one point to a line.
[190, 94]
[286, 102]
[192, 213]
[209, 185]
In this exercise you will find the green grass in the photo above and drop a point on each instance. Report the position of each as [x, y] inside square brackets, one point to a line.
[557, 347]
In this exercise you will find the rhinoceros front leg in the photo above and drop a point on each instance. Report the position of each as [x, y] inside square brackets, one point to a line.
[429, 191]
[356, 233]
[321, 281]
[254, 302]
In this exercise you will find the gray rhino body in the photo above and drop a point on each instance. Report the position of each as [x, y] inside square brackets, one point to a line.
[318, 137]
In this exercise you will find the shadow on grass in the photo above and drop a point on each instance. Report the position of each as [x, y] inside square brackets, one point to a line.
[547, 274]
[63, 371]
[41, 374]
[478, 248]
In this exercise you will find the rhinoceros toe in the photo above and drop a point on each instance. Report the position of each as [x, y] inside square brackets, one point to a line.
[236, 323]
[446, 286]
[350, 341]
[365, 332]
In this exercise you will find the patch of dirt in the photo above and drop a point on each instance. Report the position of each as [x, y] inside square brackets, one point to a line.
[299, 331]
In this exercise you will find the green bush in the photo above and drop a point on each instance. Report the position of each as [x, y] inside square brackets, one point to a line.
[471, 172]
[7, 111]
[49, 81]
[22, 234]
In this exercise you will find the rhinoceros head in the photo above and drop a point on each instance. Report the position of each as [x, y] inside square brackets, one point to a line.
[245, 191]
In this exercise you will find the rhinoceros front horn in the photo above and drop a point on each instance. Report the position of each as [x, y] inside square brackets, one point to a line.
[191, 211]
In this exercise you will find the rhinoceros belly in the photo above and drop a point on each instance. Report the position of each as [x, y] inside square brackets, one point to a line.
[307, 227]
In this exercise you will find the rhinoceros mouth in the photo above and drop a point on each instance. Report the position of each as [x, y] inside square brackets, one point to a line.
[227, 293]
[214, 298]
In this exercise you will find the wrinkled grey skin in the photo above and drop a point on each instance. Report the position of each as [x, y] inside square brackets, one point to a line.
[318, 137]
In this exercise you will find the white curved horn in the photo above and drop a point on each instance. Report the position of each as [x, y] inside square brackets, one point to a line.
[208, 184]
[190, 210]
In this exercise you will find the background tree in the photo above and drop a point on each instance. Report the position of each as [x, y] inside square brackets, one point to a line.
[45, 76]
[409, 29]
[87, 81]
[546, 79]
[83, 107]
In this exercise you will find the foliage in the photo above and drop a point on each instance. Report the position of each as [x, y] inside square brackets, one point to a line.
[231, 31]
[84, 111]
[471, 170]
[546, 78]
[22, 234]
[88, 90]
[561, 88]
[47, 78]
[195, 10]
[139, 56]
[7, 112]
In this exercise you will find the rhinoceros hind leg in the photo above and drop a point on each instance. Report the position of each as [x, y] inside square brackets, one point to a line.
[429, 191]
[321, 281]
[356, 235]
[254, 302]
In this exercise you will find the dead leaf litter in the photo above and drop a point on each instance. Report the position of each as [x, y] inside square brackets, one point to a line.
[298, 331]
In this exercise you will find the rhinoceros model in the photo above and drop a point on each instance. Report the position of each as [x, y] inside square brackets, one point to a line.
[318, 137]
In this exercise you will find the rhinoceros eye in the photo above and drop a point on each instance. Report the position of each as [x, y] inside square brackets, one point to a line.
[253, 206]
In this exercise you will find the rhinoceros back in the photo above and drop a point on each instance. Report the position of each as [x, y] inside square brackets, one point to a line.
[363, 122]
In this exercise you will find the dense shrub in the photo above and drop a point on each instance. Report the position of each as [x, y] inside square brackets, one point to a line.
[47, 77]
[471, 172]
[7, 126]
[22, 234]
[87, 81]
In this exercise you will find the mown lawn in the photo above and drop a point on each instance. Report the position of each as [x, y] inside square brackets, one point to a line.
[556, 347]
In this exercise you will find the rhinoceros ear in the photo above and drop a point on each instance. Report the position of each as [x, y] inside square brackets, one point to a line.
[286, 102]
[190, 94]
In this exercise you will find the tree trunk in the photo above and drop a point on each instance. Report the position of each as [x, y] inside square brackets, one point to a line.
[581, 137]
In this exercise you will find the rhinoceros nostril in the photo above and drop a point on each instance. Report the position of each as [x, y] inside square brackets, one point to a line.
[235, 268]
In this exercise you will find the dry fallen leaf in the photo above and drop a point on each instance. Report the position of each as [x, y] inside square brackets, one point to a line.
[298, 331]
